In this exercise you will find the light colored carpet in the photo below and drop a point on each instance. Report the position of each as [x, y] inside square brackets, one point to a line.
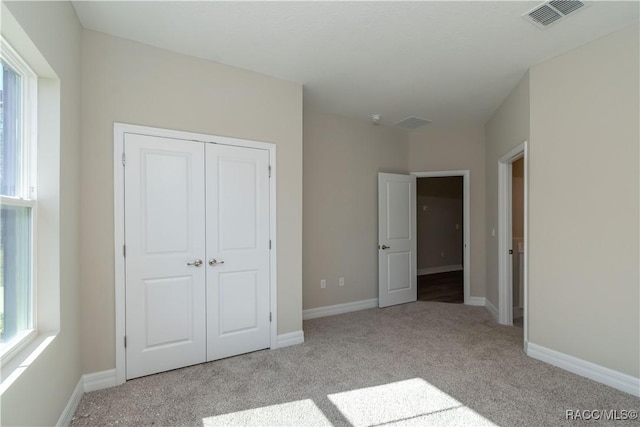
[423, 363]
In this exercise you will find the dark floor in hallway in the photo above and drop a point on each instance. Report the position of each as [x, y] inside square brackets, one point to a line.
[442, 287]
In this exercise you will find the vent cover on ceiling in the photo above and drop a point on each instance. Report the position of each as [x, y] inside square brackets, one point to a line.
[549, 12]
[412, 123]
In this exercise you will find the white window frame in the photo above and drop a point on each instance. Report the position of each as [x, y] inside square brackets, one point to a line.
[28, 194]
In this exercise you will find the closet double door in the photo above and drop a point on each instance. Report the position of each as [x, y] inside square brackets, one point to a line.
[197, 252]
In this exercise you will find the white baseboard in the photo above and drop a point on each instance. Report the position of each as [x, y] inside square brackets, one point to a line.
[292, 338]
[441, 269]
[598, 373]
[87, 383]
[99, 380]
[477, 301]
[332, 310]
[70, 410]
[491, 308]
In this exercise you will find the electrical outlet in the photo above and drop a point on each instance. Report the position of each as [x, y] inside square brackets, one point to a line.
[323, 283]
[341, 281]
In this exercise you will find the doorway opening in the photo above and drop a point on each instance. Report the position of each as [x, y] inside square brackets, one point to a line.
[517, 240]
[442, 234]
[513, 238]
[439, 226]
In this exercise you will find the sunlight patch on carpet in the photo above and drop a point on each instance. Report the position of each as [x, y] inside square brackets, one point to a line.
[298, 413]
[406, 403]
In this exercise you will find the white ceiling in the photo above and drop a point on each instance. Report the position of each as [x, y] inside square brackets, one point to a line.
[450, 62]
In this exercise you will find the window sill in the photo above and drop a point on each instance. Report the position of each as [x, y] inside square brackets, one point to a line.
[13, 347]
[23, 358]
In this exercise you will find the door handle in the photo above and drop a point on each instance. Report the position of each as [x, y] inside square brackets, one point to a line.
[385, 247]
[213, 262]
[196, 263]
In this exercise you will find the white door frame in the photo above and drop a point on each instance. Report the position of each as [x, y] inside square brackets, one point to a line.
[466, 210]
[119, 131]
[505, 285]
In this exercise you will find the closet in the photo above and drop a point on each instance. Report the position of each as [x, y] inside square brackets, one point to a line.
[197, 269]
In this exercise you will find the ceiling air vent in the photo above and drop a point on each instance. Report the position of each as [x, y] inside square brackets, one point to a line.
[566, 6]
[412, 123]
[552, 11]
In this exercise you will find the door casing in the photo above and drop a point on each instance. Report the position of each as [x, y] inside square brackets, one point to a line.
[119, 131]
[505, 287]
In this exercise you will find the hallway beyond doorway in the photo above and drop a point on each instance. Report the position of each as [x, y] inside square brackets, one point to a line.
[442, 287]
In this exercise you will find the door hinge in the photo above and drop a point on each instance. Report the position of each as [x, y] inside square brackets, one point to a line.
[510, 251]
[269, 244]
[269, 316]
[124, 251]
[123, 159]
[125, 341]
[269, 171]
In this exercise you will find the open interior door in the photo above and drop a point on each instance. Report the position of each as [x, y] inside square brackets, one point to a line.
[397, 274]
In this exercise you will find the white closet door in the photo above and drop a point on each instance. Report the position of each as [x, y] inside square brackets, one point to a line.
[165, 226]
[237, 250]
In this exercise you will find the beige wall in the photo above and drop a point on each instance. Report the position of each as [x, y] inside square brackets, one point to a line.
[435, 149]
[439, 210]
[342, 158]
[508, 128]
[584, 203]
[40, 393]
[133, 83]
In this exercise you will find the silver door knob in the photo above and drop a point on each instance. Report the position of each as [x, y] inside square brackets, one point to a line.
[213, 262]
[196, 263]
[385, 247]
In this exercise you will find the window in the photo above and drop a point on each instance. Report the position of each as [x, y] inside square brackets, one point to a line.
[18, 201]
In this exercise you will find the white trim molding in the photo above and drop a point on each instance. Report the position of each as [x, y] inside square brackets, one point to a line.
[72, 405]
[606, 376]
[289, 339]
[99, 380]
[441, 269]
[505, 241]
[86, 383]
[332, 310]
[476, 301]
[491, 309]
